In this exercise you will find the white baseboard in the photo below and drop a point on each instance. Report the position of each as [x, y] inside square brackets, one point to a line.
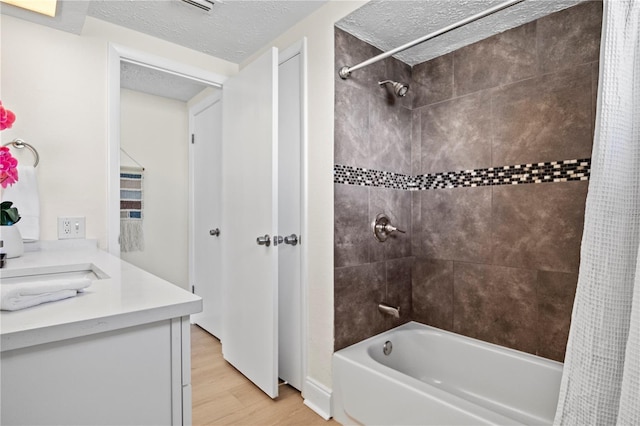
[318, 398]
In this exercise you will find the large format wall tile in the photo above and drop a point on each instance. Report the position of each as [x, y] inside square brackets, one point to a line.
[504, 58]
[416, 149]
[398, 290]
[456, 134]
[539, 226]
[351, 136]
[556, 291]
[432, 292]
[546, 118]
[350, 51]
[455, 225]
[351, 230]
[570, 37]
[496, 304]
[357, 292]
[432, 81]
[389, 136]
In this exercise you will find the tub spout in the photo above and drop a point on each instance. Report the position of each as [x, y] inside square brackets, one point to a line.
[389, 310]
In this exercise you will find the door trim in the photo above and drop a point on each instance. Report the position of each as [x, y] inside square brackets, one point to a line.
[300, 48]
[116, 55]
[206, 102]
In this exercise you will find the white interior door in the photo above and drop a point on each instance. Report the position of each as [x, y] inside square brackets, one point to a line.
[249, 209]
[289, 219]
[205, 120]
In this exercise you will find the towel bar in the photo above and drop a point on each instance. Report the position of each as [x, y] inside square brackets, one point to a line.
[20, 144]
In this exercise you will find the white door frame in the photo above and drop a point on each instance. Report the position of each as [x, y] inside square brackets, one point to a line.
[118, 54]
[300, 48]
[208, 101]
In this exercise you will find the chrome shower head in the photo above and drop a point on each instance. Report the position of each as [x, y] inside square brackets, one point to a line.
[400, 89]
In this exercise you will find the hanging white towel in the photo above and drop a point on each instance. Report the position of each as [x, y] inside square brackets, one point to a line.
[25, 197]
[20, 296]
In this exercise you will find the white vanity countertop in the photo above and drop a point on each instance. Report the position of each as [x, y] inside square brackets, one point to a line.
[128, 297]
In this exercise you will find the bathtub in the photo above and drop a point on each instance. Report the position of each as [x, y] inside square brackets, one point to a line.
[434, 377]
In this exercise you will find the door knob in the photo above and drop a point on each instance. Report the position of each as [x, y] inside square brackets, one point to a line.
[291, 239]
[277, 239]
[264, 241]
[214, 232]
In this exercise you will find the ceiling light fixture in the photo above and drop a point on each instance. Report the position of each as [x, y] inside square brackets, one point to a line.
[45, 7]
[202, 4]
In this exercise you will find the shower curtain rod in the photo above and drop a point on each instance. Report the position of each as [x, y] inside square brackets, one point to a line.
[346, 71]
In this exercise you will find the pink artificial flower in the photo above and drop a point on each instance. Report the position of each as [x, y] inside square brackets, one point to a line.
[8, 168]
[6, 118]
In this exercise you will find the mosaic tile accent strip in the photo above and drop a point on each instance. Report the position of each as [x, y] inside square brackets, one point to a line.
[365, 177]
[519, 174]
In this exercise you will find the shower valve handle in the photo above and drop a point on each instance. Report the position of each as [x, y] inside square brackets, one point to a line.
[389, 228]
[382, 228]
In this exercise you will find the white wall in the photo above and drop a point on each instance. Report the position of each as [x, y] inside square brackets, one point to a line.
[56, 83]
[318, 28]
[154, 131]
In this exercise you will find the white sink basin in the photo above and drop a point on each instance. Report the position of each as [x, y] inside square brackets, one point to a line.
[46, 273]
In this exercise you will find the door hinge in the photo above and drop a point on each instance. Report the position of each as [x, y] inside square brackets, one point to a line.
[193, 138]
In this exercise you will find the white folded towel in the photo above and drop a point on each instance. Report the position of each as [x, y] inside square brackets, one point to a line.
[25, 295]
[25, 197]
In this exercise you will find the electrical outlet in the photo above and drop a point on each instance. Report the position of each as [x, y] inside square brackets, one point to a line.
[71, 227]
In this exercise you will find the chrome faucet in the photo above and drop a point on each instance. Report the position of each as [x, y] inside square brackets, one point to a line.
[389, 310]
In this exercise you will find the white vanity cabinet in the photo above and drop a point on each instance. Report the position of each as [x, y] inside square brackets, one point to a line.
[119, 354]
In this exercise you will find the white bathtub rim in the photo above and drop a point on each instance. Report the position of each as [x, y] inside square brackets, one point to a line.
[416, 326]
[360, 357]
[413, 384]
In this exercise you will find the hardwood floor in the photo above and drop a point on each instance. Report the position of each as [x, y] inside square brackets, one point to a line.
[223, 396]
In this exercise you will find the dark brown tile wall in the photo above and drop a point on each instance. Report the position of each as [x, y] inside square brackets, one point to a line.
[500, 263]
[495, 263]
[544, 118]
[372, 130]
[454, 134]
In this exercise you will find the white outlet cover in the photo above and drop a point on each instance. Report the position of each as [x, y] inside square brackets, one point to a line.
[71, 227]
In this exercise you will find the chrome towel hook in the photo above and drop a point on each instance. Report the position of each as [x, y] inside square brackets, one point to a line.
[20, 144]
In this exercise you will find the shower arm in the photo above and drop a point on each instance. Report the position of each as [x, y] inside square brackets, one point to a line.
[346, 71]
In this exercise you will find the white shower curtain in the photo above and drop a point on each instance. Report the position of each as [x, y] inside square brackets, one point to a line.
[601, 380]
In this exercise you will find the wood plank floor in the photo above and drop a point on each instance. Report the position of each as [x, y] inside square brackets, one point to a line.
[223, 396]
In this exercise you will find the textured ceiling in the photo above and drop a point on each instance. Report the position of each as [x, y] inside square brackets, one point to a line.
[159, 83]
[388, 24]
[233, 30]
